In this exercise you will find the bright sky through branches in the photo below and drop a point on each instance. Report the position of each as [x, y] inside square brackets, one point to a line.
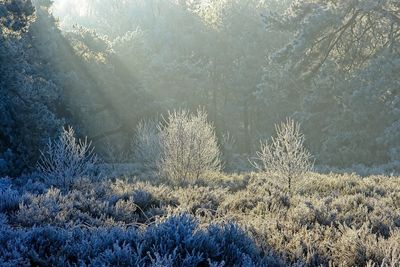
[75, 7]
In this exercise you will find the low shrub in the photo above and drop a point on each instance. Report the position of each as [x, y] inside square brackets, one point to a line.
[342, 220]
[177, 241]
[66, 159]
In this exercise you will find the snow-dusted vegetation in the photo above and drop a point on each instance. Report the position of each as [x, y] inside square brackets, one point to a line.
[66, 159]
[242, 220]
[200, 133]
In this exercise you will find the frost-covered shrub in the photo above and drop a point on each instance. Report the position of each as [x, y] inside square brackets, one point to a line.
[95, 204]
[334, 219]
[189, 146]
[235, 247]
[146, 145]
[31, 183]
[143, 193]
[350, 247]
[126, 210]
[3, 220]
[200, 200]
[286, 154]
[182, 149]
[5, 183]
[66, 159]
[312, 225]
[9, 198]
[177, 241]
[58, 209]
[41, 209]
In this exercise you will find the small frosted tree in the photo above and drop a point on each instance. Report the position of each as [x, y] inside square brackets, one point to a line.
[146, 145]
[189, 146]
[66, 159]
[286, 154]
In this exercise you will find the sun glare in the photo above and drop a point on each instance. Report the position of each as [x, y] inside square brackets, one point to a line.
[71, 8]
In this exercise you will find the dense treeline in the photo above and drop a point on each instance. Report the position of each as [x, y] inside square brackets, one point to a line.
[332, 65]
[49, 79]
